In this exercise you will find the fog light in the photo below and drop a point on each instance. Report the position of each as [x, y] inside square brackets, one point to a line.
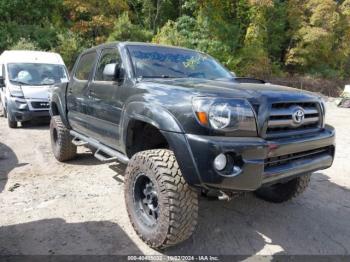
[220, 162]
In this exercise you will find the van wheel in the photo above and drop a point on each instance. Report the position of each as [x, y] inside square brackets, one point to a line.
[283, 192]
[162, 208]
[11, 122]
[2, 109]
[61, 140]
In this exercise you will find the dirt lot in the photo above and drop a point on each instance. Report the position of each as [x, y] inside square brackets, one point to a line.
[78, 208]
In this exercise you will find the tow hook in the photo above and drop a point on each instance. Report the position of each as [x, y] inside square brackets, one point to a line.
[224, 196]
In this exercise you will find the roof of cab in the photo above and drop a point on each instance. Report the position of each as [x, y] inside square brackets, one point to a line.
[123, 44]
[14, 56]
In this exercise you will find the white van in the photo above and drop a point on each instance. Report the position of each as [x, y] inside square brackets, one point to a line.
[26, 78]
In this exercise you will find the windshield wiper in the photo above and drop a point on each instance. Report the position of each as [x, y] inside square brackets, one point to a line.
[19, 82]
[161, 76]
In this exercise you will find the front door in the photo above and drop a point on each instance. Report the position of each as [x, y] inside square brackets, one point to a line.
[106, 94]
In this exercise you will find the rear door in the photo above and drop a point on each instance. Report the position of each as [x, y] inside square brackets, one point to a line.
[106, 94]
[78, 93]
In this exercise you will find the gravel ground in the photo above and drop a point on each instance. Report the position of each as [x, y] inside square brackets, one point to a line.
[78, 207]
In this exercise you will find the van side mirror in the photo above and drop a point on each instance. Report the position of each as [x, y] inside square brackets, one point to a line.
[111, 72]
[2, 82]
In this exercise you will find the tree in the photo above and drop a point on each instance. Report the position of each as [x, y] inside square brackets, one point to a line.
[315, 42]
[25, 44]
[93, 20]
[35, 20]
[124, 30]
[69, 46]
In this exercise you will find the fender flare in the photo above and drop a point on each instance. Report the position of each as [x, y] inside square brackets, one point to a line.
[154, 115]
[167, 124]
[60, 105]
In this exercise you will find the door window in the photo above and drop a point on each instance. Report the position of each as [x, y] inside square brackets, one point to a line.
[108, 56]
[85, 66]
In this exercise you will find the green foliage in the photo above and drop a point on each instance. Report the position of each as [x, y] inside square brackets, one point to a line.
[69, 46]
[124, 30]
[93, 19]
[25, 44]
[31, 20]
[251, 37]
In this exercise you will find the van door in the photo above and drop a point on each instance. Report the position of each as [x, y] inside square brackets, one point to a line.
[78, 93]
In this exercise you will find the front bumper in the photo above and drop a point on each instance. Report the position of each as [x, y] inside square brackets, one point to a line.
[21, 110]
[261, 161]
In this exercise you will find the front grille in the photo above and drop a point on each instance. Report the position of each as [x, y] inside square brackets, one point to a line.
[287, 159]
[282, 120]
[40, 105]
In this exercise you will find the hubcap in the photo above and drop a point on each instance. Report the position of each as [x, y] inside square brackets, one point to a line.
[146, 200]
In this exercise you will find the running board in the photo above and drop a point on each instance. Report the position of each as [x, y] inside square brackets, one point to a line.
[77, 142]
[103, 153]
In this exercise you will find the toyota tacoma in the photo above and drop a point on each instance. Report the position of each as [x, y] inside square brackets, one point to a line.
[184, 126]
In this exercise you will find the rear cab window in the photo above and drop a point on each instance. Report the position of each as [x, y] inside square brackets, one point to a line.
[85, 66]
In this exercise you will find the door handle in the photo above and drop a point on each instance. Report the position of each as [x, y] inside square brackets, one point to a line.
[92, 95]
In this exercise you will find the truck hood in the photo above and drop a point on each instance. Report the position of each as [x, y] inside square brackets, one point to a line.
[230, 88]
[36, 92]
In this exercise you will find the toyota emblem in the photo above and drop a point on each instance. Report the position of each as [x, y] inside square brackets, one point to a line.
[298, 116]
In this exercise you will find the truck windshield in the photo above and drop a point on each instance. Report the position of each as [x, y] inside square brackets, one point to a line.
[169, 62]
[36, 74]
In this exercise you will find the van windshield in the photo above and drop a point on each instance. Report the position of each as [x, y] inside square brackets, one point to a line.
[36, 74]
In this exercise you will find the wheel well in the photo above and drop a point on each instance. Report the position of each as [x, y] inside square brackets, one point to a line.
[54, 109]
[143, 136]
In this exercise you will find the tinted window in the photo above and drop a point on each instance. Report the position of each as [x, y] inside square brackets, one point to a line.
[108, 56]
[86, 64]
[167, 62]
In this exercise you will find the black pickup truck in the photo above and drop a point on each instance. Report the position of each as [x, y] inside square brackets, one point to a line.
[185, 126]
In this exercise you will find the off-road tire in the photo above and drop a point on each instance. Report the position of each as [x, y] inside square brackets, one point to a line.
[11, 123]
[61, 140]
[178, 203]
[283, 192]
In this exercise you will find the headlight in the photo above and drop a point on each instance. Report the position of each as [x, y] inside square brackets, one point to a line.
[16, 91]
[220, 116]
[324, 110]
[224, 114]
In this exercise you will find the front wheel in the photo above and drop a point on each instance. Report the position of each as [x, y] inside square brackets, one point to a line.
[283, 192]
[162, 208]
[12, 123]
[2, 109]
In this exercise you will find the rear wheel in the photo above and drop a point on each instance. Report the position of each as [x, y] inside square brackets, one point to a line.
[162, 208]
[283, 192]
[61, 140]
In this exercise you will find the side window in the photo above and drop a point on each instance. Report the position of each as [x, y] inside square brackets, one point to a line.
[108, 56]
[85, 66]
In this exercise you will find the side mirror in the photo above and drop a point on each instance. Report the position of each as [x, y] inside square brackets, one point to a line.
[2, 82]
[111, 71]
